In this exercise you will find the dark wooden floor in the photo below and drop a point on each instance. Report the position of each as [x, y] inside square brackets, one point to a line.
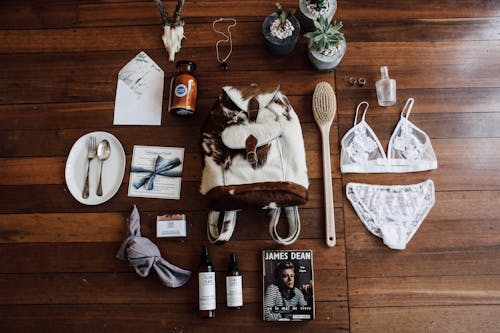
[60, 59]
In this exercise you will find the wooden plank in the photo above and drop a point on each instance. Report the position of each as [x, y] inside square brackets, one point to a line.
[112, 288]
[464, 117]
[458, 125]
[100, 114]
[330, 317]
[475, 167]
[50, 170]
[379, 261]
[420, 52]
[427, 101]
[46, 14]
[246, 33]
[251, 58]
[110, 227]
[416, 76]
[459, 319]
[476, 170]
[120, 38]
[83, 85]
[367, 9]
[142, 13]
[100, 257]
[56, 198]
[416, 30]
[438, 102]
[108, 63]
[89, 84]
[420, 291]
[45, 143]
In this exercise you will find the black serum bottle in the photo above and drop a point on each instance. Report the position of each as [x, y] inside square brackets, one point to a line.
[234, 286]
[206, 286]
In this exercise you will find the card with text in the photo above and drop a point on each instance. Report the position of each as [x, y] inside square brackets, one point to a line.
[156, 172]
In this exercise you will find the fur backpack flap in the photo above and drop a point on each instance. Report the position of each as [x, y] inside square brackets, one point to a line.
[254, 157]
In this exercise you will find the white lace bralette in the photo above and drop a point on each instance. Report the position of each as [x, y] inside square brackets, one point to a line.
[409, 149]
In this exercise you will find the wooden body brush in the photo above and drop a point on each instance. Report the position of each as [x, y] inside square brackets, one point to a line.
[324, 106]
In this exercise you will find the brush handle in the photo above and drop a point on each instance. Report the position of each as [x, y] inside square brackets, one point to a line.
[327, 179]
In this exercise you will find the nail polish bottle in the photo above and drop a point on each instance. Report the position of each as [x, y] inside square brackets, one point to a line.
[386, 88]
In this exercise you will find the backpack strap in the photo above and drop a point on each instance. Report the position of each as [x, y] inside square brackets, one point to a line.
[293, 218]
[228, 224]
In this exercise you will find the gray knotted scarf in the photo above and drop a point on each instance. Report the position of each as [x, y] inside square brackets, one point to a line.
[143, 254]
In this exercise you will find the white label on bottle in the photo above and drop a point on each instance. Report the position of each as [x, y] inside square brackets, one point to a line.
[234, 291]
[206, 289]
[181, 90]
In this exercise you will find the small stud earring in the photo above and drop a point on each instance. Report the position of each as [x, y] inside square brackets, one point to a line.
[361, 81]
[352, 81]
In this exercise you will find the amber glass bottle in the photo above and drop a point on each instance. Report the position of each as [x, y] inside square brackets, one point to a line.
[206, 286]
[183, 89]
[234, 288]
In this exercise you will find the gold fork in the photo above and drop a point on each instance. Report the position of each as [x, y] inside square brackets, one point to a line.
[91, 153]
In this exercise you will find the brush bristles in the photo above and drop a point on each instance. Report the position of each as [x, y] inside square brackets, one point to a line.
[324, 103]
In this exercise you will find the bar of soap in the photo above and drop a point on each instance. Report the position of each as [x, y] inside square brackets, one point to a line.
[171, 225]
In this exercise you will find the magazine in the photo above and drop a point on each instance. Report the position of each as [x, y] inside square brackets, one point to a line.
[288, 285]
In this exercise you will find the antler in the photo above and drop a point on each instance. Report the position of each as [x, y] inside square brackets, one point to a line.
[163, 12]
[178, 10]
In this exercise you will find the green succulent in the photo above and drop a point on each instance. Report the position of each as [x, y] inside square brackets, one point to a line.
[319, 4]
[284, 13]
[326, 35]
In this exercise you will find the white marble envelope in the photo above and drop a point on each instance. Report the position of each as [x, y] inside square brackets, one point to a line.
[139, 92]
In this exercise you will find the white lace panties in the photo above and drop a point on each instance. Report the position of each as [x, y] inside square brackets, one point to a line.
[392, 212]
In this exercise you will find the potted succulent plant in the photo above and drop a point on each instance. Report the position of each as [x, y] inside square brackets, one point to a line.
[281, 30]
[311, 10]
[327, 44]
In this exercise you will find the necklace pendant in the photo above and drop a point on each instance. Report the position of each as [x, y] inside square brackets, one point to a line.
[224, 66]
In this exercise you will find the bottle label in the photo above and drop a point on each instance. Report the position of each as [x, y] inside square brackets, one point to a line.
[181, 90]
[234, 291]
[206, 287]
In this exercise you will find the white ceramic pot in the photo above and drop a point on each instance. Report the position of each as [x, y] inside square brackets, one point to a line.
[307, 18]
[324, 63]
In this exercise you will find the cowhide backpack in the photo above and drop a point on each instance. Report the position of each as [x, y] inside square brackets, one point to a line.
[254, 157]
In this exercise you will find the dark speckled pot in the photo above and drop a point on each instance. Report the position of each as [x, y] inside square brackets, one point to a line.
[280, 47]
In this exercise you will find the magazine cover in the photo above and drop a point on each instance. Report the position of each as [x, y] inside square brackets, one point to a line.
[288, 285]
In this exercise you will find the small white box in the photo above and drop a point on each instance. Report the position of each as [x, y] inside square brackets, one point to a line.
[171, 226]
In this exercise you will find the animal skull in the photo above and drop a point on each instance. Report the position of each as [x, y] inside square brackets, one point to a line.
[172, 38]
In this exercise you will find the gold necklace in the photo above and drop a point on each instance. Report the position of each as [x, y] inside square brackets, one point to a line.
[227, 39]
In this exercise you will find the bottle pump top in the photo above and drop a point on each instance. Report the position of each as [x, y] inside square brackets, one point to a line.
[205, 257]
[233, 263]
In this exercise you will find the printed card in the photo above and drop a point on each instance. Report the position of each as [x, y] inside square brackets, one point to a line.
[156, 172]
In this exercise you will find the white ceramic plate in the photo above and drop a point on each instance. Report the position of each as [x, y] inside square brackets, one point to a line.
[112, 169]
